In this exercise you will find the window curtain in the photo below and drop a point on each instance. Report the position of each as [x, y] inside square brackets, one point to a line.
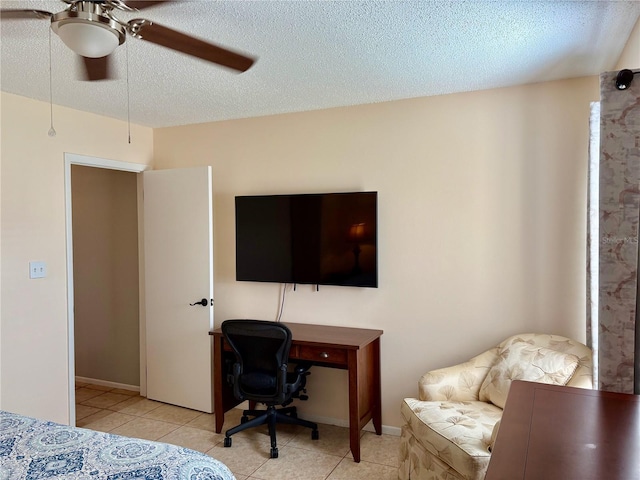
[619, 213]
[593, 229]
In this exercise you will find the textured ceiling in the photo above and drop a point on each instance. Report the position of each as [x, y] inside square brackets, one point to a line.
[320, 54]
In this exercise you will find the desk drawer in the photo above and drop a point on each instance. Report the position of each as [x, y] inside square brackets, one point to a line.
[322, 354]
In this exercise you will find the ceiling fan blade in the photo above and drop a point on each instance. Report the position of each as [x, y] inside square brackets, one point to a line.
[160, 35]
[141, 5]
[11, 14]
[96, 68]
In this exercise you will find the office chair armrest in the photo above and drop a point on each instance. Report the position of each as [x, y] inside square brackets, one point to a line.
[297, 385]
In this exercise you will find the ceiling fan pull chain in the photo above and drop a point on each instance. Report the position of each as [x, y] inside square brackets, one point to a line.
[52, 131]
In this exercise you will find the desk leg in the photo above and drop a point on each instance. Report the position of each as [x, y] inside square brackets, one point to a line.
[376, 375]
[354, 404]
[223, 398]
[218, 406]
[365, 398]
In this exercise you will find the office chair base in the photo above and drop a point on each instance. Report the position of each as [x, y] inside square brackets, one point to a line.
[271, 416]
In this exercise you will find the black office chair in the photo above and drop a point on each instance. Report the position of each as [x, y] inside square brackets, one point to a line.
[260, 374]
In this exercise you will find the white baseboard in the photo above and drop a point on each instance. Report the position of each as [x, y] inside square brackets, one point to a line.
[105, 383]
[338, 422]
[386, 429]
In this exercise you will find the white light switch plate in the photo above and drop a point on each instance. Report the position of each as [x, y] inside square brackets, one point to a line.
[37, 269]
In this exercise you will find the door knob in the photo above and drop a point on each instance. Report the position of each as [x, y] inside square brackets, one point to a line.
[204, 302]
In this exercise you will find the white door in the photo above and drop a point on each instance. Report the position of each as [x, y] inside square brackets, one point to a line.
[178, 249]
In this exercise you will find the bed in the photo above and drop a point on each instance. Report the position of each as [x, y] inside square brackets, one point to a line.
[32, 449]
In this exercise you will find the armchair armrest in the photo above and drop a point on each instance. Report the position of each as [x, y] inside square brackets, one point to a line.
[457, 383]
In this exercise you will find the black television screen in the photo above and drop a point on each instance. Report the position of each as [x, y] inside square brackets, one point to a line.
[324, 239]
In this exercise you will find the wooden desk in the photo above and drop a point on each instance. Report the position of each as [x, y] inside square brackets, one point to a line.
[354, 349]
[563, 433]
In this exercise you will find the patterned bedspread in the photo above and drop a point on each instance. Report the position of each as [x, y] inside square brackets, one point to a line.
[32, 449]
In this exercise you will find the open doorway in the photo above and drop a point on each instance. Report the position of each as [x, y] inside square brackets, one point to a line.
[106, 337]
[176, 236]
[105, 271]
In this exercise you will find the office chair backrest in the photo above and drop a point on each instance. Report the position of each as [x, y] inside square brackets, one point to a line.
[262, 350]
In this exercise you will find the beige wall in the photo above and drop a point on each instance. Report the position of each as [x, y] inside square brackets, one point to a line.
[482, 220]
[34, 375]
[630, 57]
[482, 223]
[105, 274]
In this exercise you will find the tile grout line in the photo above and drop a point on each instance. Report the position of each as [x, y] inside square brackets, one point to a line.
[204, 427]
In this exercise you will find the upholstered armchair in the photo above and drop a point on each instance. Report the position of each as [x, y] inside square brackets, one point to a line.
[450, 427]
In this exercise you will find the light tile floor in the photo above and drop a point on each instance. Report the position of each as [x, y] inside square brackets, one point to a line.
[126, 413]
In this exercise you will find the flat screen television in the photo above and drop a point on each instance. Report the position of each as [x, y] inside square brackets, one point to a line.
[322, 239]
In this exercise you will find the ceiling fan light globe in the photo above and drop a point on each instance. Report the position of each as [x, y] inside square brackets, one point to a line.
[89, 40]
[87, 31]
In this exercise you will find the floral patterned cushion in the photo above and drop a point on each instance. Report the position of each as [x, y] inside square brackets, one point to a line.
[458, 433]
[583, 376]
[459, 383]
[522, 361]
[448, 430]
[417, 463]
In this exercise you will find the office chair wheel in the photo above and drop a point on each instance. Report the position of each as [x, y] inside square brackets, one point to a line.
[227, 441]
[244, 419]
[315, 435]
[274, 453]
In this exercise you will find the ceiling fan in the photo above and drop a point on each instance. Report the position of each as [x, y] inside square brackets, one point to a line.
[90, 29]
